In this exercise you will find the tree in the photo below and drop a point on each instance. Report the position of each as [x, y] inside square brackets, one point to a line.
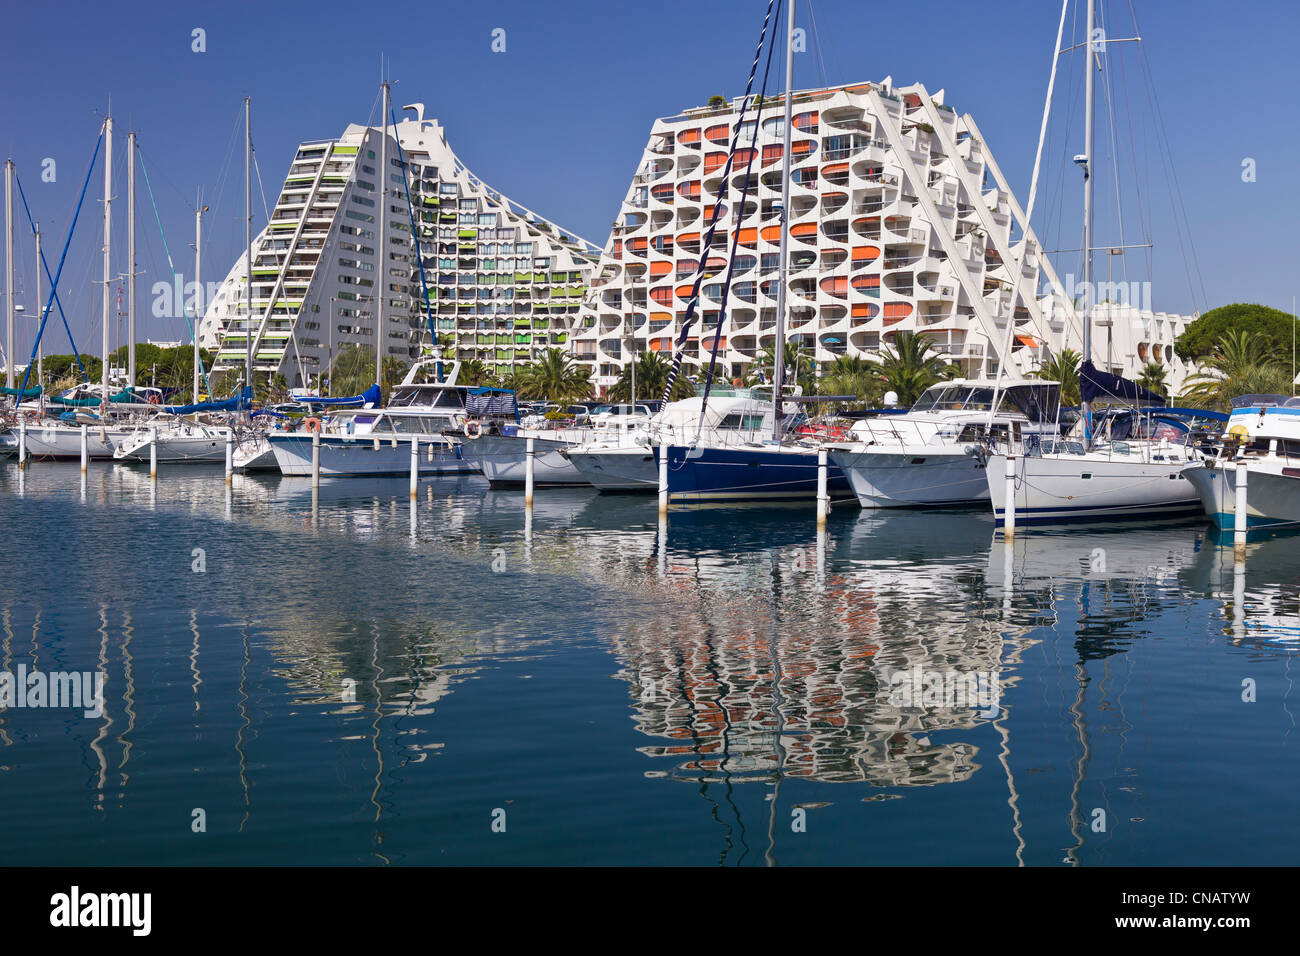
[853, 375]
[1204, 335]
[909, 366]
[1242, 363]
[1063, 367]
[717, 101]
[353, 370]
[651, 376]
[556, 377]
[474, 372]
[1153, 378]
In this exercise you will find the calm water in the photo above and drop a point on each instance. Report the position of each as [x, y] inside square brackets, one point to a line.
[379, 683]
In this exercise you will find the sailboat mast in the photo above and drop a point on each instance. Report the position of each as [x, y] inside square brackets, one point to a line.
[108, 243]
[198, 292]
[381, 282]
[40, 346]
[778, 362]
[1087, 210]
[130, 258]
[9, 272]
[248, 237]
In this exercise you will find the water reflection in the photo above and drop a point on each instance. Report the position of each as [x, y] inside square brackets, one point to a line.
[355, 630]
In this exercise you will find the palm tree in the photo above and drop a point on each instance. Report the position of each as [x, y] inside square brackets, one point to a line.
[853, 375]
[1153, 379]
[1239, 365]
[651, 376]
[555, 376]
[910, 366]
[798, 366]
[1064, 368]
[353, 370]
[474, 372]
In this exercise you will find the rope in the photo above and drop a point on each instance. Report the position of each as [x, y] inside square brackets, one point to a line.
[192, 326]
[54, 281]
[713, 218]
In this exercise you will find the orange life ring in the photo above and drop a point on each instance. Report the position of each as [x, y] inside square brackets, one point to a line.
[154, 400]
[312, 424]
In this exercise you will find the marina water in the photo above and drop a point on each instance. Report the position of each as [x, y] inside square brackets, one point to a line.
[356, 678]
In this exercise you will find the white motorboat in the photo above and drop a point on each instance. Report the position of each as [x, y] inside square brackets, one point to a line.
[931, 454]
[180, 440]
[1262, 437]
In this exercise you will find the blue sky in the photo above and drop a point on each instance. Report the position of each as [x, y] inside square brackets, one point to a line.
[559, 120]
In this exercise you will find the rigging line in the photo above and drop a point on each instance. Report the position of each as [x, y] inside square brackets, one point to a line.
[735, 237]
[1143, 216]
[198, 293]
[260, 187]
[707, 241]
[54, 281]
[1171, 176]
[410, 209]
[223, 171]
[817, 43]
[1108, 98]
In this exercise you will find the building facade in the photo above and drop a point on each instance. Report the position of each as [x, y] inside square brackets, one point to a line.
[900, 219]
[503, 283]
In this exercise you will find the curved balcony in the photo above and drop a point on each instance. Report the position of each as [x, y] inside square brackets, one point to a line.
[837, 174]
[837, 286]
[863, 312]
[833, 202]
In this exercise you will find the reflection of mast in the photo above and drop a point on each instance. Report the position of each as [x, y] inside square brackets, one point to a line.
[1080, 765]
[108, 721]
[376, 669]
[128, 697]
[239, 736]
[194, 656]
[7, 647]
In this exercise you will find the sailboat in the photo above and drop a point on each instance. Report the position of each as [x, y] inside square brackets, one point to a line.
[1135, 472]
[782, 467]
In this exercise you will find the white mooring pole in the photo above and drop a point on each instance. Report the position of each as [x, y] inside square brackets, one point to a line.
[663, 479]
[1009, 505]
[22, 443]
[315, 459]
[1239, 517]
[415, 466]
[153, 453]
[85, 446]
[529, 476]
[823, 498]
[230, 455]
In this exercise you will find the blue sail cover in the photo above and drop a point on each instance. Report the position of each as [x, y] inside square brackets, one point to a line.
[491, 403]
[370, 398]
[1095, 384]
[237, 403]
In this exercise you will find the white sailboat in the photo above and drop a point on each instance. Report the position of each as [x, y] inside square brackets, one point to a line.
[1138, 475]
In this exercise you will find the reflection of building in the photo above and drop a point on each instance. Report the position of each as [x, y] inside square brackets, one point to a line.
[503, 281]
[703, 682]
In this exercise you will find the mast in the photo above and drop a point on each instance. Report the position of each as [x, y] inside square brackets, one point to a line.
[778, 363]
[248, 238]
[381, 286]
[198, 291]
[1087, 212]
[40, 346]
[9, 272]
[130, 258]
[108, 244]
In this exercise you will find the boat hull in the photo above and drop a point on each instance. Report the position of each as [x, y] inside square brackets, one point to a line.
[1053, 489]
[202, 446]
[630, 470]
[1272, 498]
[63, 442]
[748, 473]
[502, 461]
[914, 478]
[346, 455]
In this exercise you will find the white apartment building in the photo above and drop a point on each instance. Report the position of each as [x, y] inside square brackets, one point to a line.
[900, 219]
[502, 281]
